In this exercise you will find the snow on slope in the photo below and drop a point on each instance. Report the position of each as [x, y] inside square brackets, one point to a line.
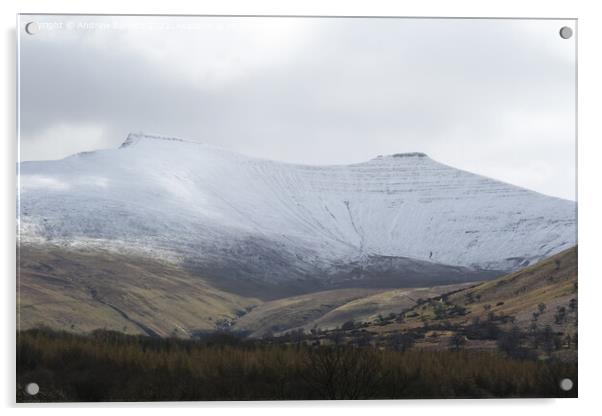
[195, 200]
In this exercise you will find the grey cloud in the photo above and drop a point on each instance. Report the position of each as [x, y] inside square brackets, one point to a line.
[484, 96]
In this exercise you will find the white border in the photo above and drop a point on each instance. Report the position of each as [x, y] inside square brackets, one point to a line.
[590, 209]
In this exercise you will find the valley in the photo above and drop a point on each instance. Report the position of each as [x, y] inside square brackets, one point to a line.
[173, 238]
[81, 291]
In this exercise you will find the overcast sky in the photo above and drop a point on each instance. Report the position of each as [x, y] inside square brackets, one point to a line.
[495, 97]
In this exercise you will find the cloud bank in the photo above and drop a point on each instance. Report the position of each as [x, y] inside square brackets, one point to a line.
[495, 97]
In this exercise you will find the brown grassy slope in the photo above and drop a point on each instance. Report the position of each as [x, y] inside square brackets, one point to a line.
[83, 290]
[330, 309]
[552, 282]
[369, 308]
[284, 314]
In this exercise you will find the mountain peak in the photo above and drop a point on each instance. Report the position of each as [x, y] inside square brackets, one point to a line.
[134, 138]
[412, 155]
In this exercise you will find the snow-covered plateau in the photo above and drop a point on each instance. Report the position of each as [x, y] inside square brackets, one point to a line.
[228, 214]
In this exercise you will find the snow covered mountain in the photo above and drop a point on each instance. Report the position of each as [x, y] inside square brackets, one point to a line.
[247, 218]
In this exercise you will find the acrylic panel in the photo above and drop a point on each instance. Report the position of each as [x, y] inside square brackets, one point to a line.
[295, 208]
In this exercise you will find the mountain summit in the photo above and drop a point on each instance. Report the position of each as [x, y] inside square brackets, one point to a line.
[247, 219]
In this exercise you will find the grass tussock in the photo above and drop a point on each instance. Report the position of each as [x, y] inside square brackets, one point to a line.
[108, 366]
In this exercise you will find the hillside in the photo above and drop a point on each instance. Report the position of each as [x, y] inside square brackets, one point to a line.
[508, 300]
[263, 228]
[331, 309]
[83, 290]
[538, 304]
[80, 290]
[552, 282]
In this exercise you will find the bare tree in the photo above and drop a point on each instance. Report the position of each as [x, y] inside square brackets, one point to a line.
[342, 373]
[457, 342]
[402, 342]
[541, 308]
[560, 316]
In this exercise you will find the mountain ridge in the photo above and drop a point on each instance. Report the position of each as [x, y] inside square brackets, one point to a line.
[284, 222]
